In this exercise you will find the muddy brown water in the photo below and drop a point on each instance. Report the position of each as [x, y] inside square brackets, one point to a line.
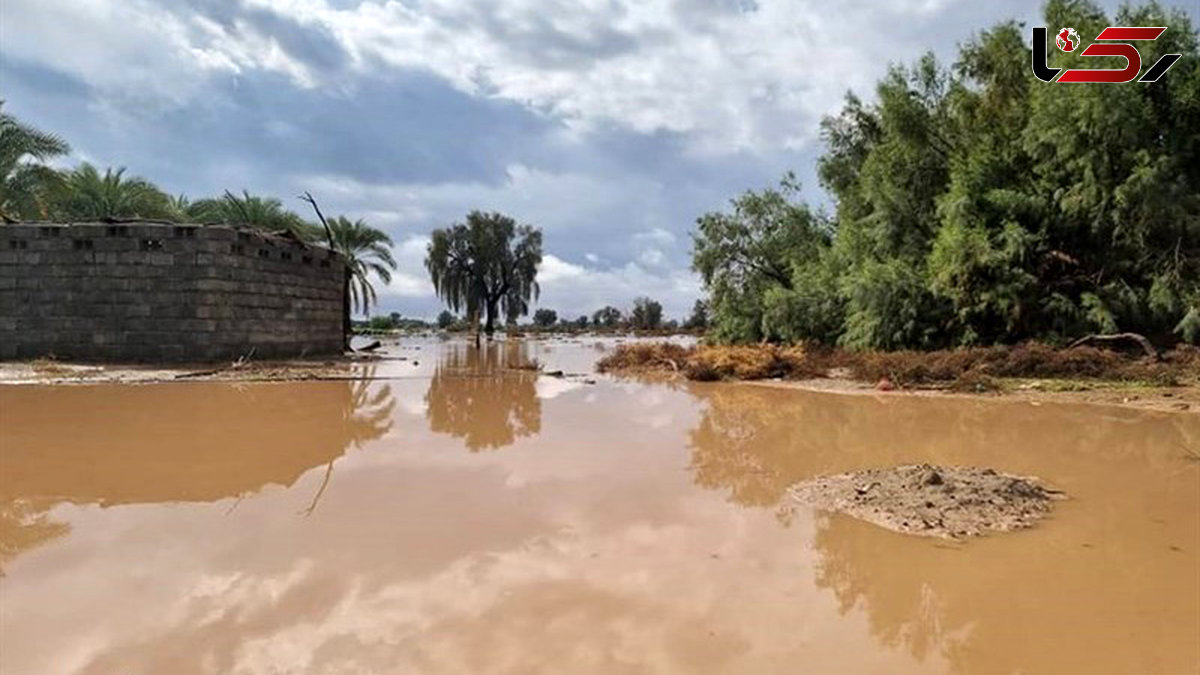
[460, 517]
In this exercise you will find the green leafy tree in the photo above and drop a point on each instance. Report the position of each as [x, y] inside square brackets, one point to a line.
[699, 317]
[381, 323]
[367, 252]
[606, 317]
[89, 194]
[26, 183]
[581, 322]
[743, 254]
[646, 314]
[545, 318]
[976, 205]
[446, 319]
[486, 267]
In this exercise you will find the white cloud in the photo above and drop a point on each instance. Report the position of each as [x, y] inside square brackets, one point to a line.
[728, 76]
[572, 289]
[554, 269]
[137, 48]
[557, 202]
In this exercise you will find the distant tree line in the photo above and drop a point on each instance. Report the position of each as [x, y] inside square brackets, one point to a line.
[977, 205]
[646, 315]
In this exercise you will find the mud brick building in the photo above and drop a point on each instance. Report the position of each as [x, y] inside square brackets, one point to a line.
[156, 292]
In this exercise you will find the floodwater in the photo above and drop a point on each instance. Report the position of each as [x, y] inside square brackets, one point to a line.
[456, 516]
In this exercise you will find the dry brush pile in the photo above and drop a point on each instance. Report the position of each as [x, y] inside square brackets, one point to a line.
[974, 369]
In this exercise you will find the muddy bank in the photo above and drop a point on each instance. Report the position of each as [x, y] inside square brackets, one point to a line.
[390, 361]
[932, 501]
[63, 373]
[1177, 399]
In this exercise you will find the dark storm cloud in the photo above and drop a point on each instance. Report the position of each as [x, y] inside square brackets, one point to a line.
[408, 127]
[538, 40]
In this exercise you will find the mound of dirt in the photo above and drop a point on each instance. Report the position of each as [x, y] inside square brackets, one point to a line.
[932, 501]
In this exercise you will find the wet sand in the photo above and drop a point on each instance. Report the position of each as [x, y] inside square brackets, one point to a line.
[461, 515]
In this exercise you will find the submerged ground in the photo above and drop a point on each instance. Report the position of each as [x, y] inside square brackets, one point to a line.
[456, 513]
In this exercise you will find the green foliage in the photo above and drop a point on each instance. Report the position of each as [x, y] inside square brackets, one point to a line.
[446, 319]
[699, 317]
[367, 252]
[261, 213]
[744, 254]
[606, 317]
[486, 266]
[646, 314]
[90, 195]
[545, 318]
[811, 309]
[381, 323]
[26, 183]
[978, 205]
[889, 306]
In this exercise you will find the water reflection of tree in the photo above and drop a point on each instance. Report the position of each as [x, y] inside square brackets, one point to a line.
[755, 441]
[25, 525]
[901, 603]
[366, 417]
[1027, 608]
[986, 608]
[749, 444]
[485, 395]
[170, 443]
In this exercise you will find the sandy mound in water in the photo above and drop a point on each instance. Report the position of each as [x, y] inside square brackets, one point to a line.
[933, 501]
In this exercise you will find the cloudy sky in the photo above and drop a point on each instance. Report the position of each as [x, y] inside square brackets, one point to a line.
[611, 124]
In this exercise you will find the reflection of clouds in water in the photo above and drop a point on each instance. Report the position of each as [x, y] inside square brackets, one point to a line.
[576, 441]
[224, 440]
[591, 594]
[553, 387]
[411, 399]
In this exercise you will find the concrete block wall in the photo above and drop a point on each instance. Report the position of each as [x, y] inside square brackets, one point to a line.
[160, 292]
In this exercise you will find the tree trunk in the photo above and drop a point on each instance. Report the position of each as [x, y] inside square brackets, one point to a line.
[490, 327]
[346, 326]
[1129, 337]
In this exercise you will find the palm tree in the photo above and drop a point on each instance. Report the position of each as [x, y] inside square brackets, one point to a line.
[25, 182]
[366, 250]
[261, 213]
[90, 195]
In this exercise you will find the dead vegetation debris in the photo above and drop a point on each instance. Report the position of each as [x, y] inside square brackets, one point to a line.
[976, 369]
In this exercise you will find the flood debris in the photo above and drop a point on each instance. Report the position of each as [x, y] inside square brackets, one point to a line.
[964, 367]
[934, 501]
[369, 347]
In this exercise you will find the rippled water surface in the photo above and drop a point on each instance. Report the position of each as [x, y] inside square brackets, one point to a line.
[455, 514]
